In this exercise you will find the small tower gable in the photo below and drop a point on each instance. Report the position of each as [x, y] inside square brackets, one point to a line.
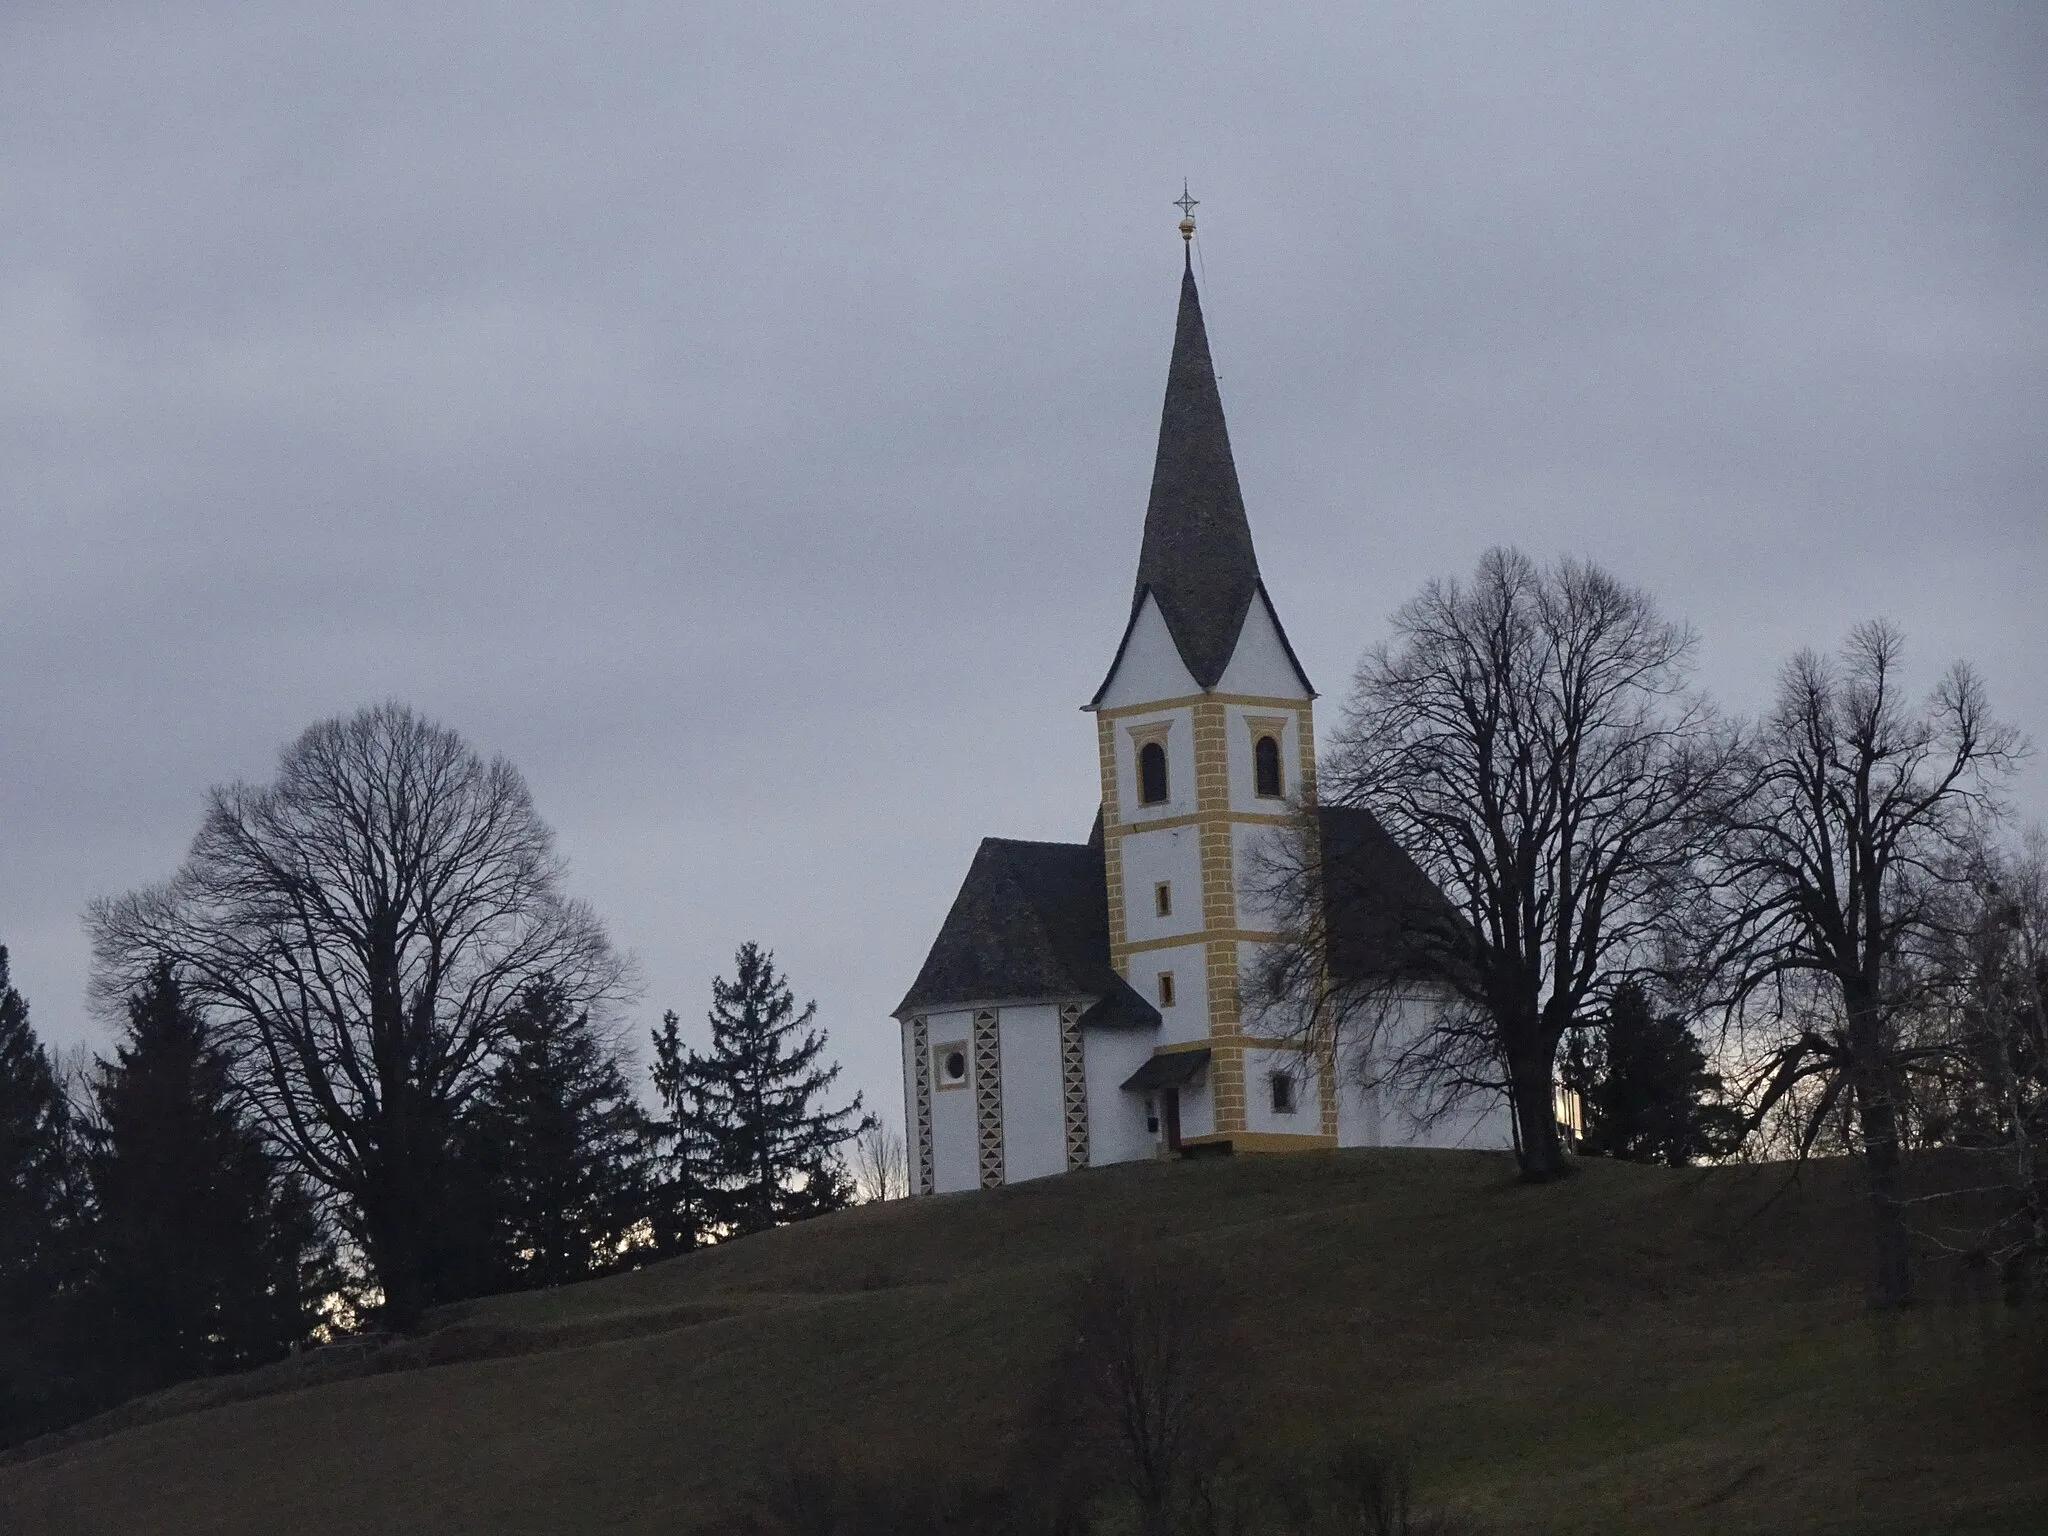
[1262, 664]
[1148, 665]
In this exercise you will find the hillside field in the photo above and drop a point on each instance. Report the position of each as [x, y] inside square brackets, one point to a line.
[1637, 1350]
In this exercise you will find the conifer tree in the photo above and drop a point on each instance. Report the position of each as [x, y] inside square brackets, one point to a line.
[560, 1145]
[208, 1255]
[41, 1222]
[676, 1205]
[1645, 1089]
[763, 1148]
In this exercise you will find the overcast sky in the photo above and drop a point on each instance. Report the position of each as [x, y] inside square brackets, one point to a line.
[741, 416]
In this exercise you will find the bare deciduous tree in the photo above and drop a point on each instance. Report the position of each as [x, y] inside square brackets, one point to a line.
[1840, 845]
[1527, 741]
[880, 1164]
[1149, 1377]
[1990, 1096]
[360, 930]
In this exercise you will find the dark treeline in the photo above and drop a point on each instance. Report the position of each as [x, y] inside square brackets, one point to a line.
[1808, 929]
[154, 1231]
[369, 1060]
[366, 1065]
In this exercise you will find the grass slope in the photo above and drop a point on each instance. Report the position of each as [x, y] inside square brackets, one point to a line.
[1637, 1350]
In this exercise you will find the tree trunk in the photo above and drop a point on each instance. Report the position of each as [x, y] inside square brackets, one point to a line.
[1539, 1146]
[396, 1257]
[1877, 1117]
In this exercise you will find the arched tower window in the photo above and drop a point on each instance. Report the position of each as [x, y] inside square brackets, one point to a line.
[1266, 768]
[1152, 774]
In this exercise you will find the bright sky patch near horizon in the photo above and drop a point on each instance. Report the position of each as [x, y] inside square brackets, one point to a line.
[743, 420]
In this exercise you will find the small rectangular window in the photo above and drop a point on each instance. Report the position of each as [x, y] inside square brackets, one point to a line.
[1166, 989]
[1162, 898]
[1283, 1092]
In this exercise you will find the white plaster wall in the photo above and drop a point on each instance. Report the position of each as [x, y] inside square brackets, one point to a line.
[1358, 1112]
[1247, 839]
[1171, 853]
[955, 1164]
[1150, 668]
[1180, 763]
[1188, 1018]
[1197, 1107]
[1259, 665]
[1259, 1064]
[1116, 1120]
[1237, 736]
[1375, 1113]
[1034, 1120]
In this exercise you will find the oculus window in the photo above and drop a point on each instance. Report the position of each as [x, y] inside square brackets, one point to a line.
[949, 1064]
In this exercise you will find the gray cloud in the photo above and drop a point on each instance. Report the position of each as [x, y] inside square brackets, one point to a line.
[743, 420]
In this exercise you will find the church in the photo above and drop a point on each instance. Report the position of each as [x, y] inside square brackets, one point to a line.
[1080, 1005]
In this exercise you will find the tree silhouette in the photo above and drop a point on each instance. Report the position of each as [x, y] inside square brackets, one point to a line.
[208, 1254]
[1644, 1086]
[559, 1145]
[762, 1148]
[360, 930]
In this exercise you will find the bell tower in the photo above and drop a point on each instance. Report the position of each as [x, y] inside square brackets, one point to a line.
[1206, 737]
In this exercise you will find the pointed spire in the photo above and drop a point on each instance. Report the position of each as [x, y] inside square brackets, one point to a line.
[1197, 555]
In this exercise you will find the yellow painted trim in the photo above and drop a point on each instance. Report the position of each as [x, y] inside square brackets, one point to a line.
[1105, 752]
[1198, 936]
[1264, 1141]
[1199, 819]
[1189, 700]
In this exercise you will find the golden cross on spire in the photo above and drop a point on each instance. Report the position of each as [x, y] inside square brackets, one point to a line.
[1187, 206]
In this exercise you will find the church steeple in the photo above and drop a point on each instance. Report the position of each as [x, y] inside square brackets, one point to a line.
[1197, 557]
[1196, 562]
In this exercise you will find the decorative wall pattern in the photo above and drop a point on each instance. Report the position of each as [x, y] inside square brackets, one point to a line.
[1074, 1085]
[921, 1074]
[988, 1097]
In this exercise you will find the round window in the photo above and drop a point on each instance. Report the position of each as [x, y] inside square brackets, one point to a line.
[956, 1065]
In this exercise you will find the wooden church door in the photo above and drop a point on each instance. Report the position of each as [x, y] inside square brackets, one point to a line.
[1169, 1113]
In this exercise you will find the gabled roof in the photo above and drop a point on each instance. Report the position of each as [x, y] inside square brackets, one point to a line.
[1196, 559]
[1377, 899]
[1031, 920]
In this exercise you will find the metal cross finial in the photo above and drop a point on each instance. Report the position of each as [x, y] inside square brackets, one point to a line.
[1187, 205]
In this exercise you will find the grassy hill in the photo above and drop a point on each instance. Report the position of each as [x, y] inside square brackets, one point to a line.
[1638, 1350]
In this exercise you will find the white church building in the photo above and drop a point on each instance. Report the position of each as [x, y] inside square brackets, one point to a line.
[1080, 1005]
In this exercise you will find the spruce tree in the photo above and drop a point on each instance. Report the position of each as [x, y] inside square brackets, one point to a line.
[208, 1255]
[561, 1145]
[676, 1205]
[763, 1149]
[1645, 1088]
[41, 1230]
